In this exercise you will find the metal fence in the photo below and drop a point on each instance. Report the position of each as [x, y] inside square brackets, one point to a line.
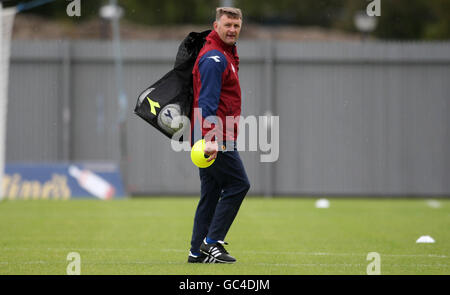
[367, 118]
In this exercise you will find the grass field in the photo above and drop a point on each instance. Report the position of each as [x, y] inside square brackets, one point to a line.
[270, 236]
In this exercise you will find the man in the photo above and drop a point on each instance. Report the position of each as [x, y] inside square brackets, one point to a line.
[217, 95]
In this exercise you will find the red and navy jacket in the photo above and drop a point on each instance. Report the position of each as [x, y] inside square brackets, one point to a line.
[216, 89]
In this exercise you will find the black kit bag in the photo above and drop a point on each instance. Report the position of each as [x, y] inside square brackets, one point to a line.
[172, 95]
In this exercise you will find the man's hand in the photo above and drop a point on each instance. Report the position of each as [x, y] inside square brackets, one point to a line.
[211, 149]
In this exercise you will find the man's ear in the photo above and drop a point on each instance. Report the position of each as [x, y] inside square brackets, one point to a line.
[215, 25]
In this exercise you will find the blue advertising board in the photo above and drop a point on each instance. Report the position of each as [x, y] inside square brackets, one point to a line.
[62, 181]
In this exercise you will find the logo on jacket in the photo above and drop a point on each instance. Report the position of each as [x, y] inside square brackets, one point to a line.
[215, 57]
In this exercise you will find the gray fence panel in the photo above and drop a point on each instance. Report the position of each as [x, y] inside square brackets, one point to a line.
[363, 120]
[33, 110]
[355, 118]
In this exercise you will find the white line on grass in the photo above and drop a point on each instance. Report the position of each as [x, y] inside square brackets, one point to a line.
[345, 265]
[321, 253]
[306, 264]
[343, 254]
[64, 249]
[254, 264]
[244, 251]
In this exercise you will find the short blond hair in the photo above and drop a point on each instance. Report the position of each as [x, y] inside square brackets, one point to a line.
[229, 11]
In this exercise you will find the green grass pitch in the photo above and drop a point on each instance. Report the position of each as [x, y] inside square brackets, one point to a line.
[279, 236]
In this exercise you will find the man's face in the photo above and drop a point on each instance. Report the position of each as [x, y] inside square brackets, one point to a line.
[228, 29]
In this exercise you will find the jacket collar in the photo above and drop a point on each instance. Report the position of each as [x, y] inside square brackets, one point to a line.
[213, 37]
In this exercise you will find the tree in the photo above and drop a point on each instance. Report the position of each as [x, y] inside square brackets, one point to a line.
[400, 19]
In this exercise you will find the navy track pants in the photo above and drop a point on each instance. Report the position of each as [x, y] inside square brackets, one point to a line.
[224, 185]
